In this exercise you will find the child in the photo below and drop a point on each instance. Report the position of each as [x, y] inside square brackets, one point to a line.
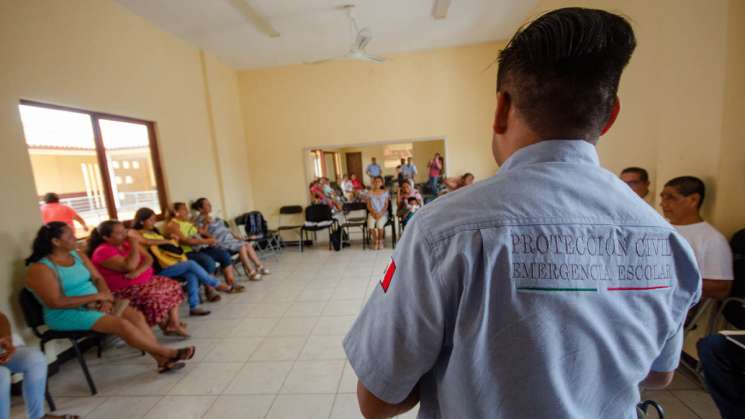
[412, 205]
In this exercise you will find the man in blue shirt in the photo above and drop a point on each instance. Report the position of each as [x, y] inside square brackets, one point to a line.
[373, 170]
[548, 290]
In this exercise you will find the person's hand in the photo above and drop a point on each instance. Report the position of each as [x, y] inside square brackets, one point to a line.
[131, 275]
[106, 307]
[210, 241]
[105, 296]
[6, 345]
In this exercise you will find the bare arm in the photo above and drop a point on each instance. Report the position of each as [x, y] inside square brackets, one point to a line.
[80, 219]
[716, 288]
[147, 242]
[97, 278]
[43, 282]
[174, 232]
[145, 265]
[127, 263]
[372, 407]
[4, 326]
[657, 380]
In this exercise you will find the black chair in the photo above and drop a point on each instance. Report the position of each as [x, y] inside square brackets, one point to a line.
[642, 408]
[290, 210]
[34, 315]
[356, 222]
[318, 217]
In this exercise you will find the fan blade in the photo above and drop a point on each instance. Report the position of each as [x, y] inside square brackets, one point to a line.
[254, 18]
[363, 38]
[440, 10]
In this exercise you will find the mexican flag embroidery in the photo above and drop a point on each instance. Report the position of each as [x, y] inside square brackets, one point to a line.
[386, 281]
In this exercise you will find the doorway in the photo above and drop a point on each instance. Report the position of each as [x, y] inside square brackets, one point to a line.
[354, 164]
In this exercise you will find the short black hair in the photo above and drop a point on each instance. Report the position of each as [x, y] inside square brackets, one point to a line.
[643, 175]
[51, 198]
[562, 70]
[688, 185]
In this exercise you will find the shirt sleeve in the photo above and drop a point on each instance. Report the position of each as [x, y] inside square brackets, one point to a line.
[103, 253]
[717, 263]
[399, 334]
[669, 358]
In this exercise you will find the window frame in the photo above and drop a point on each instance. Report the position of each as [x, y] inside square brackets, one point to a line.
[101, 152]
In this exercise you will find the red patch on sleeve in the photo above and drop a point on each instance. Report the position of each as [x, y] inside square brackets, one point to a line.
[386, 282]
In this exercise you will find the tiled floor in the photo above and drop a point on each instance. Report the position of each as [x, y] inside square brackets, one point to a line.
[272, 352]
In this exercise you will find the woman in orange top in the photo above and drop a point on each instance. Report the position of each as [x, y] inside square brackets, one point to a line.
[52, 210]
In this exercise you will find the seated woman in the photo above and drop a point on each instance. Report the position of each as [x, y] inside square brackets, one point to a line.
[356, 183]
[402, 205]
[455, 183]
[128, 271]
[30, 362]
[216, 228]
[74, 296]
[377, 209]
[202, 250]
[173, 265]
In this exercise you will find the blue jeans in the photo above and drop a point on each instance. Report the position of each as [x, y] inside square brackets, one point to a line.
[208, 256]
[724, 372]
[194, 275]
[33, 364]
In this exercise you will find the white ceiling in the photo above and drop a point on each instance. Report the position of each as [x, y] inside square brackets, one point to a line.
[316, 29]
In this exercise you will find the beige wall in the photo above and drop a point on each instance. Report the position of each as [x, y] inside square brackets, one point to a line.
[94, 54]
[59, 173]
[442, 93]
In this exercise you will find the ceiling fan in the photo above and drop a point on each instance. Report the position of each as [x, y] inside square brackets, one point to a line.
[362, 38]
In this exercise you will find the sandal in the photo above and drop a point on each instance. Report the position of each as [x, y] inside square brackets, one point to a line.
[185, 354]
[170, 365]
[199, 311]
[49, 416]
[264, 271]
[212, 296]
[236, 289]
[254, 276]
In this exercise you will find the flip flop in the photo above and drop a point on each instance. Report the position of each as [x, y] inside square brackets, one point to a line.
[199, 312]
[171, 365]
[185, 354]
[236, 289]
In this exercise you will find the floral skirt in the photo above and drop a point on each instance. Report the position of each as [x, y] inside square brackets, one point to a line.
[154, 298]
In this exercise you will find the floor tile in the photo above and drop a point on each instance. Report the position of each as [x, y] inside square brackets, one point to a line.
[279, 349]
[80, 406]
[699, 401]
[233, 350]
[322, 294]
[323, 347]
[343, 308]
[255, 327]
[305, 309]
[346, 406]
[674, 408]
[122, 407]
[268, 310]
[294, 326]
[207, 379]
[310, 406]
[181, 407]
[348, 382]
[260, 378]
[309, 377]
[243, 407]
[338, 325]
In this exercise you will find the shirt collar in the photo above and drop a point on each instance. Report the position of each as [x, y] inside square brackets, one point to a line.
[572, 151]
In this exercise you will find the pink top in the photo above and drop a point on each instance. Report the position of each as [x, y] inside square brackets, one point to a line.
[58, 212]
[117, 280]
[434, 168]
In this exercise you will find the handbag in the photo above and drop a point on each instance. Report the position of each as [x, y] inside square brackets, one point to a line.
[168, 254]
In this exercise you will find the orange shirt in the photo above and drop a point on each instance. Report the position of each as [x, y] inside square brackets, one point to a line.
[58, 212]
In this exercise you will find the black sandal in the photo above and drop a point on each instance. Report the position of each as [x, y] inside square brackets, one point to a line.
[170, 365]
[185, 354]
[236, 289]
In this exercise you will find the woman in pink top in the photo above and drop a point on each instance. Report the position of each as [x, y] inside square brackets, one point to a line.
[128, 272]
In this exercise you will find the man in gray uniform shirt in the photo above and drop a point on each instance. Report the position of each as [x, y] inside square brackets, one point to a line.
[550, 290]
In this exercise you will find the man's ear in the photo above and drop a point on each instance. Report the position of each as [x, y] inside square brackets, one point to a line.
[504, 104]
[613, 115]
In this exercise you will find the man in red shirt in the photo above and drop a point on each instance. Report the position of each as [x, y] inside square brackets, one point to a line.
[52, 210]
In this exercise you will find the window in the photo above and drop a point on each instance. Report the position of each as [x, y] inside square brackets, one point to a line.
[88, 159]
[393, 153]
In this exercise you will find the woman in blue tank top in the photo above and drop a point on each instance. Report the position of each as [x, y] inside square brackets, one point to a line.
[74, 296]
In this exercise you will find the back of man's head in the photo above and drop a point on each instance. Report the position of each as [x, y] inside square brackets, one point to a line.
[643, 175]
[687, 186]
[562, 71]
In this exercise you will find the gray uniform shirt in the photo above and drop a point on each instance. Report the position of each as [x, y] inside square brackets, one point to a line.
[548, 290]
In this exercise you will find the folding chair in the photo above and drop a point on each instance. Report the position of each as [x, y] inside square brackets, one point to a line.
[356, 221]
[34, 315]
[267, 242]
[289, 211]
[318, 217]
[641, 409]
